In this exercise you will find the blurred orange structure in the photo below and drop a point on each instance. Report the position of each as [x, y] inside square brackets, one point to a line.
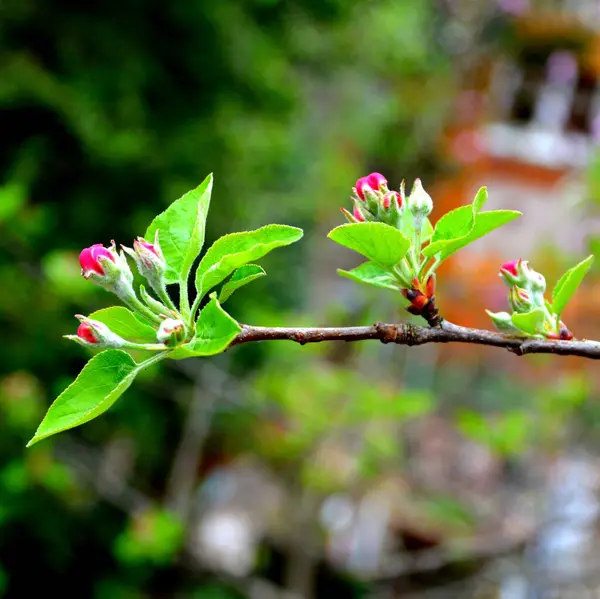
[525, 125]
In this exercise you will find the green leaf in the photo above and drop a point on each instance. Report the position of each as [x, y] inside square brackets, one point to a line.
[531, 323]
[378, 242]
[242, 276]
[236, 249]
[453, 225]
[567, 285]
[480, 199]
[464, 225]
[126, 324]
[101, 382]
[181, 230]
[503, 321]
[371, 273]
[485, 222]
[215, 330]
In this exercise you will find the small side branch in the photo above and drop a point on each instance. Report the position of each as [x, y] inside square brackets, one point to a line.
[408, 334]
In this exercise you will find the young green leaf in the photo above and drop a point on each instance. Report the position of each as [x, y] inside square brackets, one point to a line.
[126, 324]
[371, 273]
[378, 242]
[531, 323]
[503, 321]
[236, 249]
[567, 285]
[101, 382]
[215, 330]
[242, 276]
[485, 222]
[181, 230]
[453, 225]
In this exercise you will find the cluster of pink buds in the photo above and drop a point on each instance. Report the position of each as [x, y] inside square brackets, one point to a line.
[526, 293]
[373, 201]
[109, 268]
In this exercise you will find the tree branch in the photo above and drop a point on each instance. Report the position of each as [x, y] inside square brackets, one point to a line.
[408, 334]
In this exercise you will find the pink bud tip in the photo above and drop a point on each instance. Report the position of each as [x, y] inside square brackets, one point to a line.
[85, 332]
[374, 181]
[391, 196]
[511, 267]
[88, 259]
[357, 215]
[149, 246]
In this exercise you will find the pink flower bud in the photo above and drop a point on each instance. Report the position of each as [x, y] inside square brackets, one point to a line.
[90, 262]
[511, 267]
[149, 246]
[373, 181]
[392, 196]
[358, 215]
[149, 260]
[85, 332]
[94, 332]
[149, 254]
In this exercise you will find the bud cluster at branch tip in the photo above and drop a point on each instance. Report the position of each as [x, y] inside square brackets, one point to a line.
[374, 202]
[526, 297]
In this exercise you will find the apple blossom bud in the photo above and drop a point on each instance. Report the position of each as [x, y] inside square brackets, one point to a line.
[390, 198]
[149, 260]
[93, 333]
[419, 203]
[92, 259]
[520, 300]
[85, 332]
[513, 272]
[109, 269]
[373, 182]
[171, 332]
[537, 281]
[357, 214]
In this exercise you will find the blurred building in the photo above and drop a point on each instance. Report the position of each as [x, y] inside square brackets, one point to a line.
[526, 125]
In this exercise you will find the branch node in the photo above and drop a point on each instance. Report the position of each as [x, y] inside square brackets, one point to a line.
[388, 333]
[300, 338]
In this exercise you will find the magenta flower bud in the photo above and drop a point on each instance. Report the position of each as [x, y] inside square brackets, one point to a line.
[390, 198]
[374, 182]
[95, 333]
[513, 272]
[85, 332]
[109, 269]
[91, 259]
[511, 267]
[171, 332]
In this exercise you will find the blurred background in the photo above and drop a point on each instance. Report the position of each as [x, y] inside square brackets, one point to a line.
[274, 471]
